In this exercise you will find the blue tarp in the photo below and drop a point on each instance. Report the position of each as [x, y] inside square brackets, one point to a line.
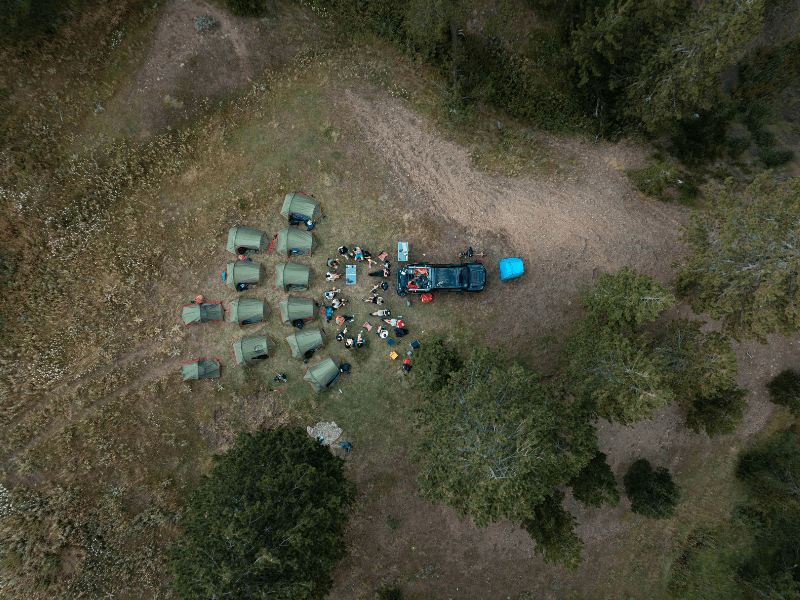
[511, 268]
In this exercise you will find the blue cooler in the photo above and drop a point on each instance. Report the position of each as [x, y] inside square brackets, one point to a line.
[511, 268]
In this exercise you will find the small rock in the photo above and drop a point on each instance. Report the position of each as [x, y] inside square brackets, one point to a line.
[182, 65]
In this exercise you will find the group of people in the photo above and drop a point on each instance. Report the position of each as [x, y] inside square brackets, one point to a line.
[349, 341]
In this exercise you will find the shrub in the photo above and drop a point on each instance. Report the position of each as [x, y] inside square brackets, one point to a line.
[784, 389]
[654, 179]
[595, 484]
[205, 23]
[772, 157]
[737, 145]
[764, 138]
[247, 8]
[652, 493]
[719, 413]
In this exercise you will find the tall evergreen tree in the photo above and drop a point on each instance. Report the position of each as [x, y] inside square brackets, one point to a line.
[745, 259]
[495, 441]
[266, 522]
[652, 492]
[615, 376]
[626, 300]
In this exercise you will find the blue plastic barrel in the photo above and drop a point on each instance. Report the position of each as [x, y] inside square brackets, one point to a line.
[511, 268]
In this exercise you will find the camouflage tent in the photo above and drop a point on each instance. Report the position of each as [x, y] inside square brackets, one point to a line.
[202, 368]
[243, 272]
[304, 340]
[299, 206]
[246, 240]
[324, 374]
[293, 241]
[252, 350]
[291, 277]
[207, 312]
[298, 308]
[247, 311]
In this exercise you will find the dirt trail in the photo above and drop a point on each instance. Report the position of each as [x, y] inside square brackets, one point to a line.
[567, 229]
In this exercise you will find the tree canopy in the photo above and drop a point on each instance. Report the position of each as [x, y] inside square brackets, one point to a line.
[266, 522]
[745, 258]
[495, 442]
[596, 484]
[652, 492]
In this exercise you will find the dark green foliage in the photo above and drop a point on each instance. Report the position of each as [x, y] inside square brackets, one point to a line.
[495, 442]
[266, 520]
[553, 528]
[784, 389]
[434, 364]
[774, 157]
[614, 376]
[700, 371]
[737, 145]
[757, 114]
[652, 493]
[745, 258]
[248, 8]
[596, 484]
[701, 140]
[719, 413]
[764, 138]
[626, 300]
[772, 472]
[767, 72]
[21, 20]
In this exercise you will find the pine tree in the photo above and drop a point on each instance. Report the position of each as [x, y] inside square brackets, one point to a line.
[626, 300]
[596, 484]
[434, 363]
[679, 76]
[553, 528]
[615, 376]
[265, 522]
[652, 493]
[719, 413]
[495, 442]
[745, 259]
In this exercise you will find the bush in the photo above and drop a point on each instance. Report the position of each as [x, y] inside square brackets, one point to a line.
[205, 23]
[595, 484]
[772, 157]
[434, 364]
[652, 493]
[737, 145]
[268, 517]
[654, 179]
[247, 8]
[757, 114]
[717, 414]
[700, 140]
[764, 138]
[784, 389]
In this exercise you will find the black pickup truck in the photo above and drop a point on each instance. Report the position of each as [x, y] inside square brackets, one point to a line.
[423, 278]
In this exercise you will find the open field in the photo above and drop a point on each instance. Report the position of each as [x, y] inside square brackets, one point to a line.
[95, 418]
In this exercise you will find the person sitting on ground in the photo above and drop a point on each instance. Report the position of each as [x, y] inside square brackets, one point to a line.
[383, 332]
[400, 332]
[345, 368]
[349, 343]
[280, 377]
[384, 312]
[331, 276]
[340, 336]
[360, 339]
[373, 300]
[333, 263]
[338, 303]
[331, 294]
[343, 250]
[382, 285]
[298, 323]
[348, 317]
[394, 322]
[241, 287]
[307, 356]
[358, 254]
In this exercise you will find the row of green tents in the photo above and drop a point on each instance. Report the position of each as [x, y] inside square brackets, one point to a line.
[320, 376]
[289, 276]
[247, 311]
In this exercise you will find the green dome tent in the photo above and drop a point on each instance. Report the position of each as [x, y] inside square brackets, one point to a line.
[207, 312]
[202, 368]
[246, 240]
[324, 374]
[252, 350]
[298, 308]
[298, 205]
[293, 241]
[304, 340]
[247, 311]
[243, 272]
[291, 277]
